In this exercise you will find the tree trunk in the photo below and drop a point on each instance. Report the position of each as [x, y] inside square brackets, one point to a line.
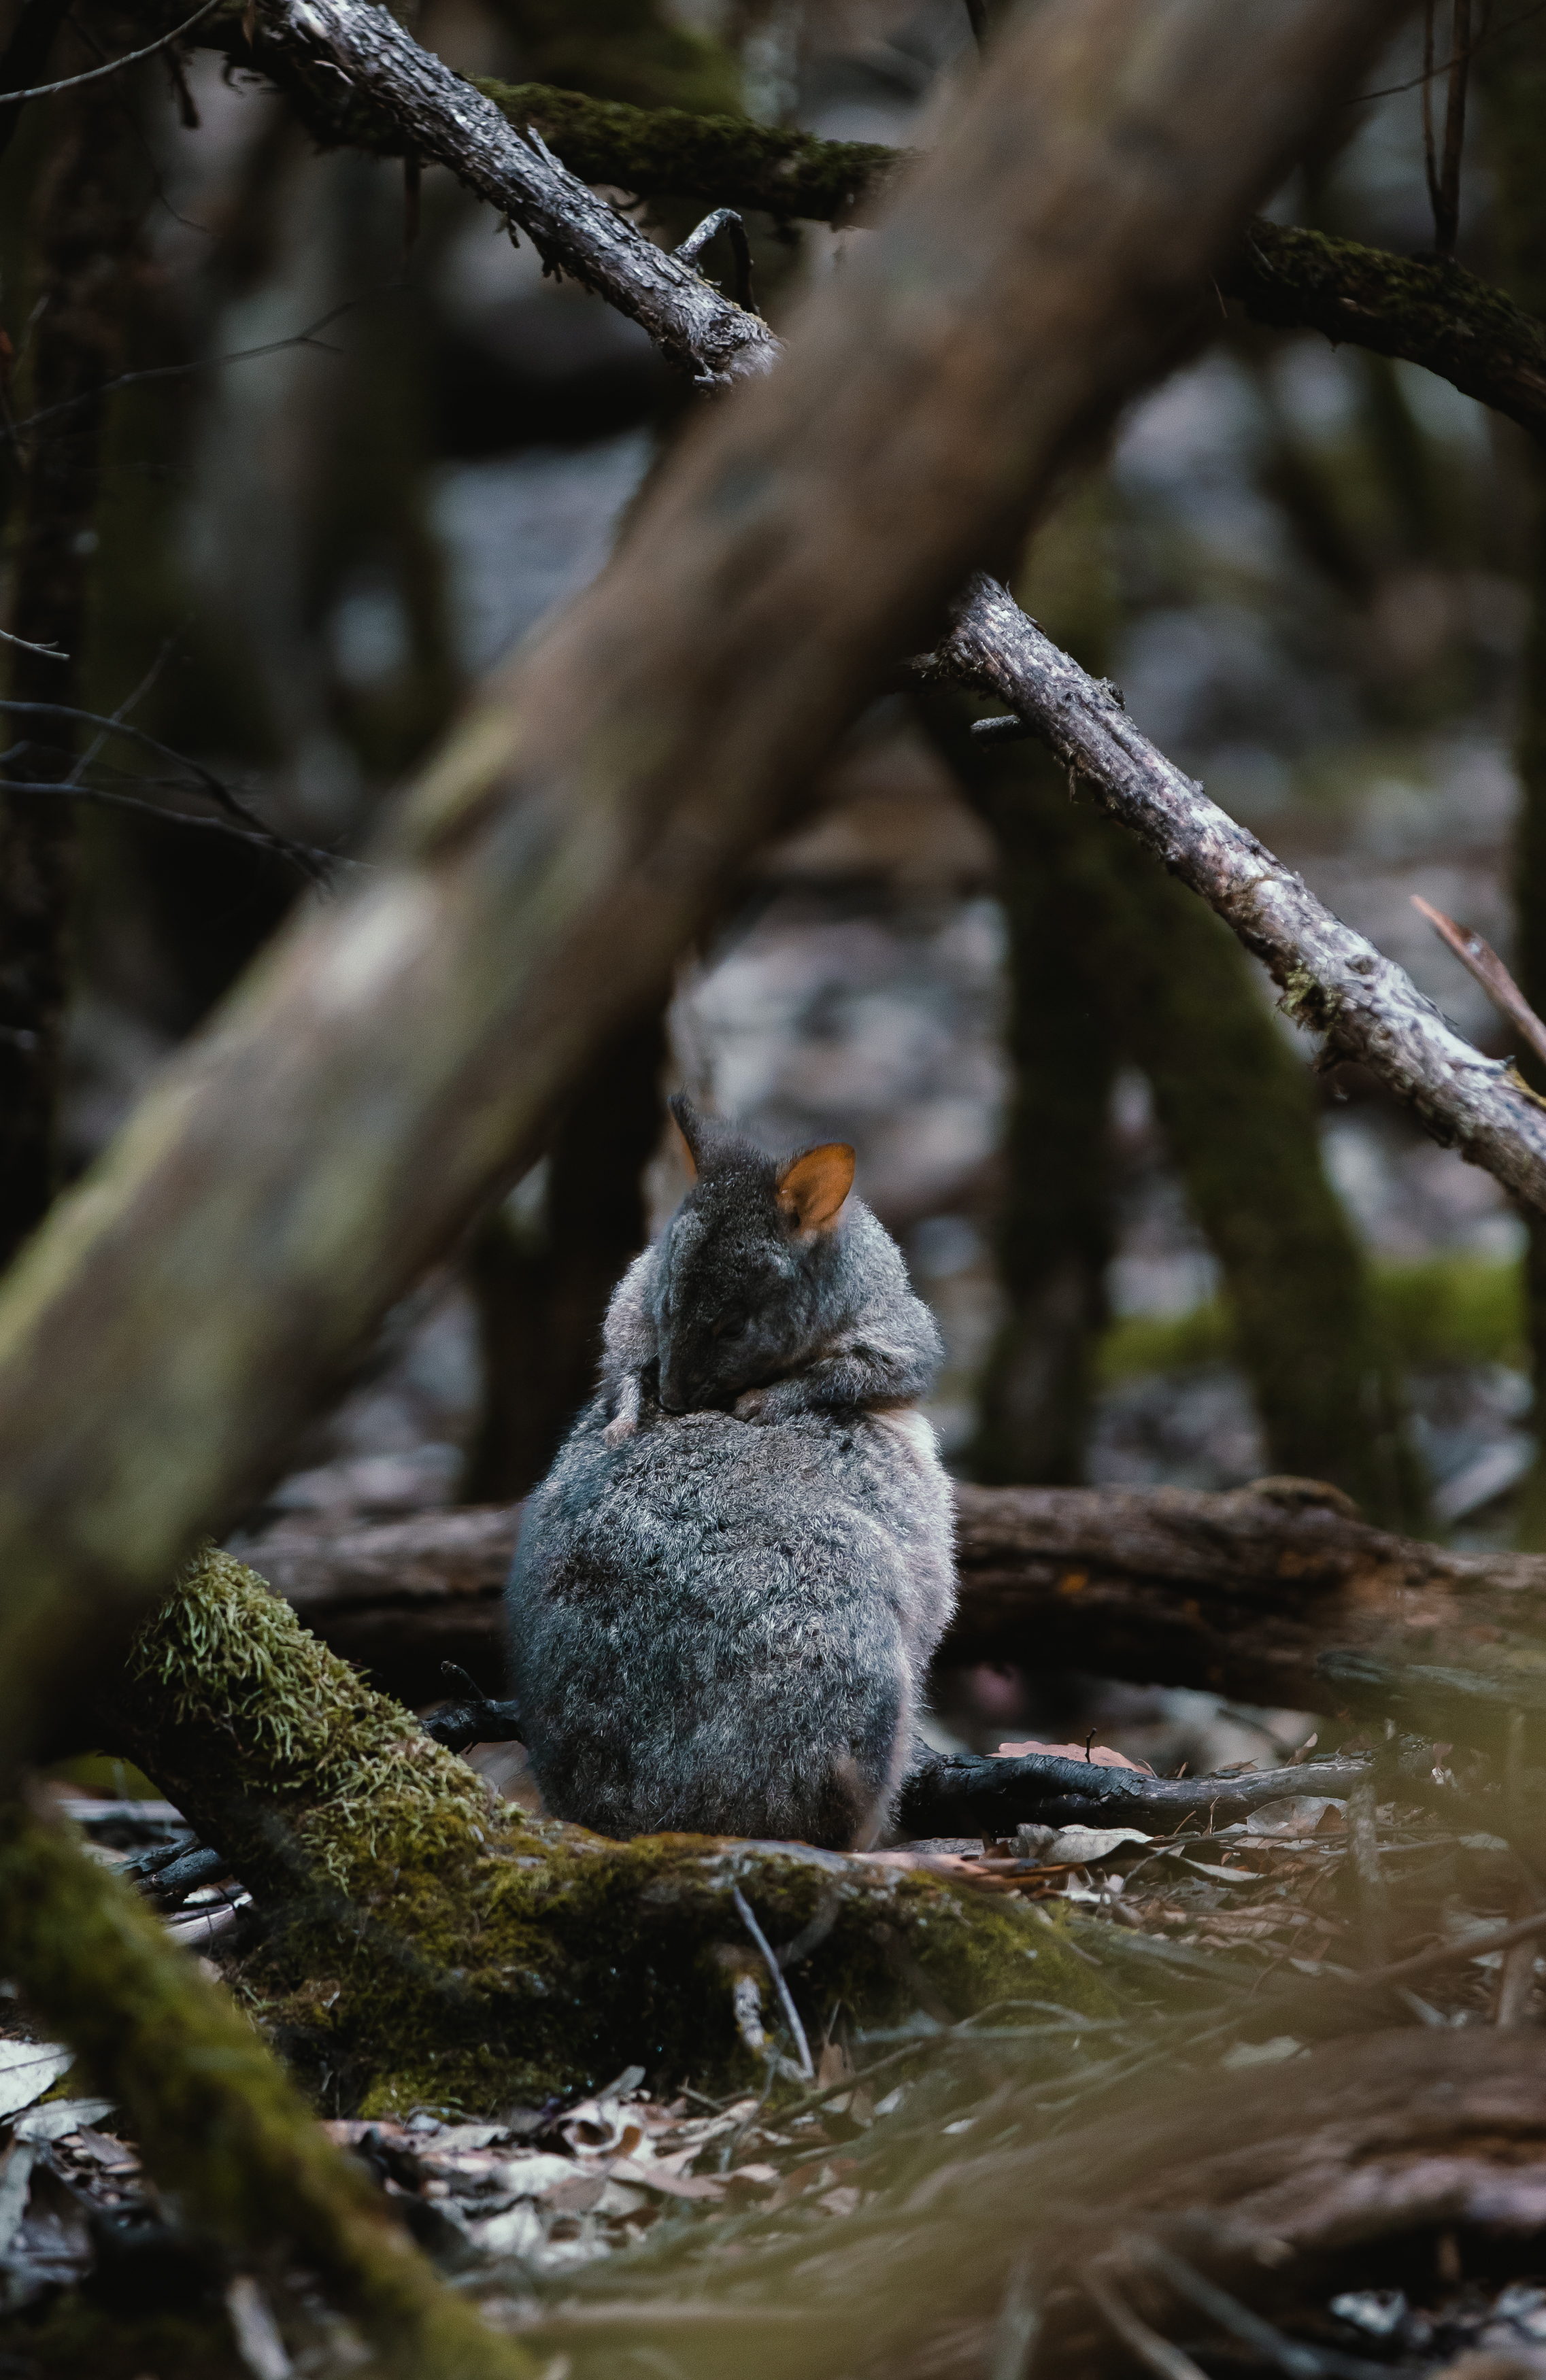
[84, 228]
[1173, 991]
[1512, 70]
[542, 1288]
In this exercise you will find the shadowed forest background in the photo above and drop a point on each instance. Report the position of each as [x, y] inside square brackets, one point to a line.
[317, 910]
[363, 444]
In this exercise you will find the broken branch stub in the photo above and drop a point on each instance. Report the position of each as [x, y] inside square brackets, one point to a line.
[1332, 980]
[385, 1067]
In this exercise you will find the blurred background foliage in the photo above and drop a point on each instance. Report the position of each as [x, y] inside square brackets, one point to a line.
[360, 445]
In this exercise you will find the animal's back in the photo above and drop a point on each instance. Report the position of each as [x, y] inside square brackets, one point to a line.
[717, 1627]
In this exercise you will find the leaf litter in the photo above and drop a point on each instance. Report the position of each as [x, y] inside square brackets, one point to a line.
[1196, 1928]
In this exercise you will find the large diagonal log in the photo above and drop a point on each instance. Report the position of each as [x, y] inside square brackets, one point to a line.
[392, 1061]
[1276, 1595]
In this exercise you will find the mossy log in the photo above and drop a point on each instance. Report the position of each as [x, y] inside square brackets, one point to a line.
[216, 2116]
[421, 1941]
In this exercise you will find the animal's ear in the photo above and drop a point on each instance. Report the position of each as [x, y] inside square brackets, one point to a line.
[688, 1124]
[813, 1186]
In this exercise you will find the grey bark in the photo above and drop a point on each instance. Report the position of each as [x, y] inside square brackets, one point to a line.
[575, 232]
[1332, 980]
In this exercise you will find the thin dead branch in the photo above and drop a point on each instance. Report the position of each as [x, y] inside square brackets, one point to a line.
[1332, 980]
[1480, 960]
[114, 66]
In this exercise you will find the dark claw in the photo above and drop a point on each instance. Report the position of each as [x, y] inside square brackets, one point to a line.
[474, 1719]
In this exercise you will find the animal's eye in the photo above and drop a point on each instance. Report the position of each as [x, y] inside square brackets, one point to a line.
[734, 1325]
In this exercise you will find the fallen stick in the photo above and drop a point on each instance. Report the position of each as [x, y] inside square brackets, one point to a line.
[1480, 960]
[1332, 980]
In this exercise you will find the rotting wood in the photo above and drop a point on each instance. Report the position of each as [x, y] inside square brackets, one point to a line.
[1276, 1595]
[1332, 980]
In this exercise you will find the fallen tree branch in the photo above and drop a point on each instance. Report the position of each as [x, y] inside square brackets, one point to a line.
[1332, 981]
[1276, 1595]
[1422, 310]
[441, 117]
[966, 1793]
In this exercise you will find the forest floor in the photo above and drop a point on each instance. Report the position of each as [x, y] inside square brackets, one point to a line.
[514, 2204]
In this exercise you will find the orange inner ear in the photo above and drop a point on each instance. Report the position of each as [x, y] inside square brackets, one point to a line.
[812, 1188]
[688, 1158]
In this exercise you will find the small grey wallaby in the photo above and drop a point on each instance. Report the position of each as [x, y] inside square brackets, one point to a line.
[728, 1588]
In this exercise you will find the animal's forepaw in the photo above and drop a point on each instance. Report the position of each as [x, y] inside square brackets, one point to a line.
[622, 1426]
[751, 1405]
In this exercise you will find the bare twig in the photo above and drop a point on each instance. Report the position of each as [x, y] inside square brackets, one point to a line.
[1443, 175]
[313, 864]
[1291, 2356]
[1451, 1954]
[305, 338]
[44, 652]
[1332, 981]
[785, 1996]
[1479, 959]
[114, 66]
[1156, 2354]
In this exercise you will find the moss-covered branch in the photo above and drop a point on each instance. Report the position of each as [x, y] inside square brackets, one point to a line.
[425, 1942]
[722, 159]
[216, 2116]
[1422, 310]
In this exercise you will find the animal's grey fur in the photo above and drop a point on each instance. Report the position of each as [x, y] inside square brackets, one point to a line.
[728, 1588]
